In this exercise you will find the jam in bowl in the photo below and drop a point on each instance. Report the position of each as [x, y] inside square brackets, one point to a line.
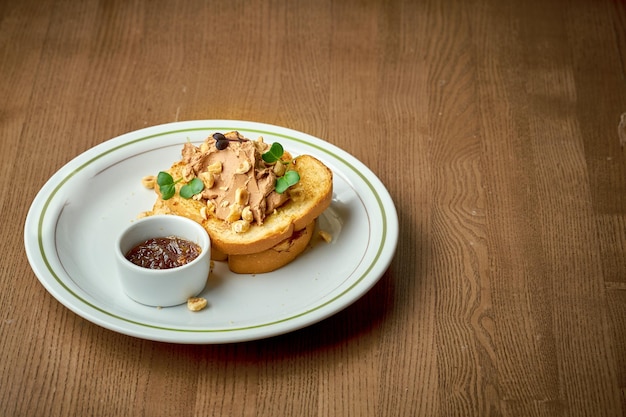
[163, 260]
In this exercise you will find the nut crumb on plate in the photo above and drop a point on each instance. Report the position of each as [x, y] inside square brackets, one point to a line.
[196, 303]
[148, 181]
[327, 237]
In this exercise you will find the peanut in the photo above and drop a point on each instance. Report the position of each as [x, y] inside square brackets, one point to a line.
[215, 168]
[241, 196]
[243, 167]
[240, 226]
[148, 181]
[207, 178]
[234, 214]
[279, 169]
[246, 214]
[196, 303]
[327, 237]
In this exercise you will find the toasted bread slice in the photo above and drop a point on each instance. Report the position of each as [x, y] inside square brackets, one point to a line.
[271, 259]
[307, 200]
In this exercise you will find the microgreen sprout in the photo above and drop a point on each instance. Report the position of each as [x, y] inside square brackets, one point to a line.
[274, 153]
[192, 188]
[290, 177]
[167, 186]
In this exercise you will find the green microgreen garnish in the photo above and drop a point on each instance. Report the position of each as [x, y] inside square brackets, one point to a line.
[192, 188]
[167, 186]
[290, 178]
[274, 154]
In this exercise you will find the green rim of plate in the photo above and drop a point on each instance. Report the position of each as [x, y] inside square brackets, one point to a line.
[182, 131]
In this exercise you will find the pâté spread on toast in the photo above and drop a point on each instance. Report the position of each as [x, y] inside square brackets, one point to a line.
[257, 202]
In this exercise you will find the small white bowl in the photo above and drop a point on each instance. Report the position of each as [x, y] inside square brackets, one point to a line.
[163, 287]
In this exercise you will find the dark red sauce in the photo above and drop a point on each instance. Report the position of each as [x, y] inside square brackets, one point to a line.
[163, 253]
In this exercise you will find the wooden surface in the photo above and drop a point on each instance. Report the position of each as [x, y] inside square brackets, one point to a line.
[495, 127]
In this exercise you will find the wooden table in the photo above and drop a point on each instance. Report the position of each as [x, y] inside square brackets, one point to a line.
[495, 126]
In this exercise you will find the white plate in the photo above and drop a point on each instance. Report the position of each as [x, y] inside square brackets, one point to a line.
[73, 222]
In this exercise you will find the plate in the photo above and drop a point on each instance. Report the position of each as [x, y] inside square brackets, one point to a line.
[75, 218]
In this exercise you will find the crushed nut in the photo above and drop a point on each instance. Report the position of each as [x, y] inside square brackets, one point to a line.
[207, 178]
[210, 206]
[296, 194]
[196, 303]
[243, 167]
[215, 168]
[260, 145]
[327, 237]
[235, 213]
[148, 181]
[203, 213]
[241, 196]
[246, 214]
[279, 169]
[240, 226]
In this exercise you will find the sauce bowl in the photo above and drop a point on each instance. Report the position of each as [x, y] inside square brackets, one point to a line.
[163, 287]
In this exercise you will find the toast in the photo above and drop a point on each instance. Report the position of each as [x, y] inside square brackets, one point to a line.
[252, 241]
[274, 257]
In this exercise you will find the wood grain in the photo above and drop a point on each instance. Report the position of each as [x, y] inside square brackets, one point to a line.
[494, 126]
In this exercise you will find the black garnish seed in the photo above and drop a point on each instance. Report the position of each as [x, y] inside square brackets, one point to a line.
[218, 136]
[221, 144]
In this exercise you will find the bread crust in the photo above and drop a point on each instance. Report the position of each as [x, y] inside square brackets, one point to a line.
[274, 258]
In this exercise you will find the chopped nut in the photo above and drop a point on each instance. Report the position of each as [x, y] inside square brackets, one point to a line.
[240, 226]
[215, 168]
[279, 169]
[148, 181]
[260, 145]
[210, 206]
[235, 213]
[207, 178]
[327, 237]
[246, 214]
[241, 196]
[196, 303]
[235, 135]
[243, 167]
[203, 213]
[296, 193]
[224, 203]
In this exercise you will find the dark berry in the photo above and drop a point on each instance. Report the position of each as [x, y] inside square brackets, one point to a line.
[221, 144]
